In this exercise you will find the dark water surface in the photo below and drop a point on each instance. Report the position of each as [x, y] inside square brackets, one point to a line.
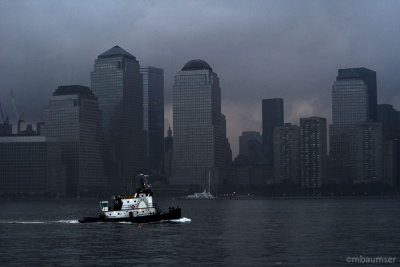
[255, 232]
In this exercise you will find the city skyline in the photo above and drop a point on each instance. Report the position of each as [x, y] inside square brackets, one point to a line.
[272, 66]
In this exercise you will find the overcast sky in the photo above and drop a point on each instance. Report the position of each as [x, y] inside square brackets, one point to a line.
[259, 49]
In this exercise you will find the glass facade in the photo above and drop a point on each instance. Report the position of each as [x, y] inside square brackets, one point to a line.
[117, 82]
[200, 143]
[153, 114]
[74, 118]
[272, 116]
[354, 103]
[349, 102]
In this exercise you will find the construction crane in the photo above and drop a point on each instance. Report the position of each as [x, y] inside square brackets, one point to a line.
[19, 118]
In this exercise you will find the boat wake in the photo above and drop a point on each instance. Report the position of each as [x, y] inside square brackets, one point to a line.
[181, 220]
[40, 222]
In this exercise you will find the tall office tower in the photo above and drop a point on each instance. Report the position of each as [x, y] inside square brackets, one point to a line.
[313, 152]
[369, 150]
[74, 118]
[117, 82]
[390, 119]
[153, 114]
[200, 144]
[354, 101]
[31, 164]
[272, 116]
[287, 154]
[250, 145]
[391, 163]
[354, 96]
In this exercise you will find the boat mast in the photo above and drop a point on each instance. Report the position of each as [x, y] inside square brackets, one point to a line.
[209, 181]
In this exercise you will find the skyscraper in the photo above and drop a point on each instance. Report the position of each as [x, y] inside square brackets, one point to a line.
[287, 154]
[272, 116]
[313, 152]
[390, 119]
[74, 118]
[200, 144]
[117, 82]
[354, 97]
[369, 152]
[153, 114]
[354, 102]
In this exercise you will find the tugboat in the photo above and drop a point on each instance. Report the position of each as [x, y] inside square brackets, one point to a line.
[136, 208]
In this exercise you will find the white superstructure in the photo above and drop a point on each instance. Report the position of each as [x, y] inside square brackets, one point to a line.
[128, 206]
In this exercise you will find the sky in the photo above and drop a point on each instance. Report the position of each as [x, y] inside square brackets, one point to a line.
[259, 49]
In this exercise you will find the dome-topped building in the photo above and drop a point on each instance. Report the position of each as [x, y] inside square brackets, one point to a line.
[200, 145]
[196, 64]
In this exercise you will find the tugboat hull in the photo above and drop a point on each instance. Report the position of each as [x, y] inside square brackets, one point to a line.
[172, 214]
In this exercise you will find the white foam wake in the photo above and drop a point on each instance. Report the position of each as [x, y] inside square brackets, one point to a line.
[39, 222]
[68, 221]
[182, 220]
[23, 222]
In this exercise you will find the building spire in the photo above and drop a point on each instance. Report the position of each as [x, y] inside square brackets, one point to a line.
[169, 131]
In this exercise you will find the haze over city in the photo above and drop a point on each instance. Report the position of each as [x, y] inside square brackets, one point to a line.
[259, 49]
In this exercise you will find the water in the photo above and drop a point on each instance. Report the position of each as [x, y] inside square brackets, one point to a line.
[254, 232]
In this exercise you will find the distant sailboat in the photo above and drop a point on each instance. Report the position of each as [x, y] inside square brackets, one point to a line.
[204, 194]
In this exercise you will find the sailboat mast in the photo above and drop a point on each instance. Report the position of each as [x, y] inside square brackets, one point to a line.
[209, 181]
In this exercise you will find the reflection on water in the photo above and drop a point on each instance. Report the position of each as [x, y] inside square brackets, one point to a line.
[278, 232]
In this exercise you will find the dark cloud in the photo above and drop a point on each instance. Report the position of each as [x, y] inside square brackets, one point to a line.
[260, 49]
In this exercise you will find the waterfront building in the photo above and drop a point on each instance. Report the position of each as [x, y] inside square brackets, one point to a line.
[272, 116]
[354, 97]
[153, 114]
[313, 152]
[354, 101]
[369, 152]
[390, 119]
[31, 164]
[200, 143]
[117, 82]
[391, 163]
[287, 154]
[73, 117]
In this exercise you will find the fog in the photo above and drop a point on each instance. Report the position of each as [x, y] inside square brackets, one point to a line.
[259, 49]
